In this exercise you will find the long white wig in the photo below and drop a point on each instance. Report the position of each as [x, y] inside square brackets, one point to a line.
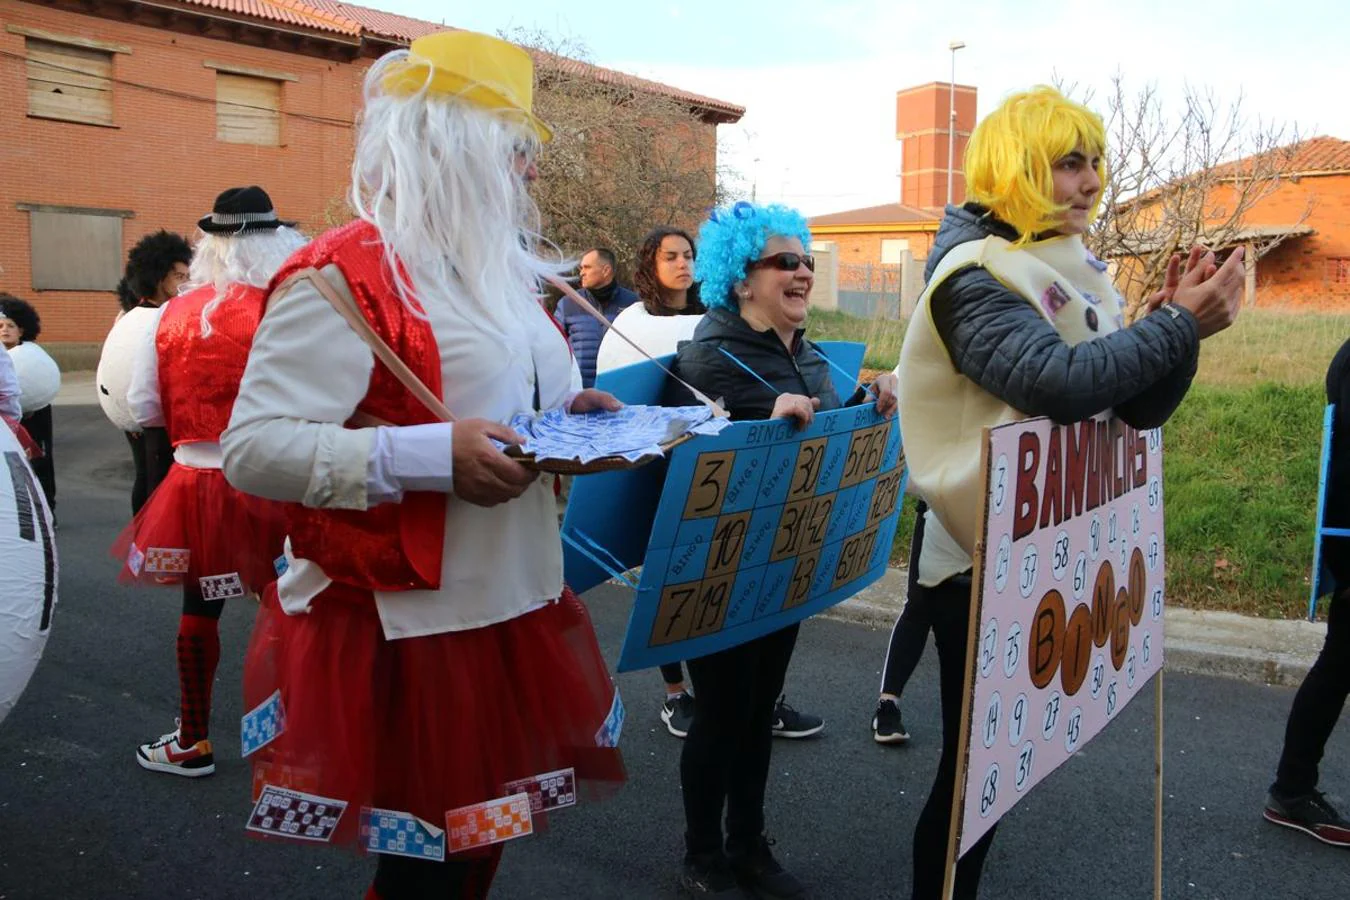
[252, 258]
[437, 177]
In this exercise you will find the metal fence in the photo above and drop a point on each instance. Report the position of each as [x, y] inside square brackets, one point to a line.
[870, 289]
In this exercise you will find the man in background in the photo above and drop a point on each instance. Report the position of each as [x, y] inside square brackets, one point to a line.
[599, 286]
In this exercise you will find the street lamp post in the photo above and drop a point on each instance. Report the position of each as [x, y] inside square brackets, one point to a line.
[951, 124]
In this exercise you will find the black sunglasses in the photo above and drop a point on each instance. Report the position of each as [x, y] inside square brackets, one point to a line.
[784, 262]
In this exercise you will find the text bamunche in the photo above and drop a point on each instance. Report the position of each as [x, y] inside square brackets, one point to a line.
[1087, 464]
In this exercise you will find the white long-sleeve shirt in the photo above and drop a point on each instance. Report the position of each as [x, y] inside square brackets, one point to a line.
[308, 372]
[9, 388]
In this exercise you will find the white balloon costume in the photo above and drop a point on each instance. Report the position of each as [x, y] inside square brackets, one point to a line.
[39, 376]
[129, 333]
[28, 548]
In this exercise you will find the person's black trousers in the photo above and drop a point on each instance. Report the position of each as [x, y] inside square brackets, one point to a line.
[39, 426]
[1317, 705]
[725, 759]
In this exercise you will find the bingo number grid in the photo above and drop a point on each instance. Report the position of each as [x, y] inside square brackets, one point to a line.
[762, 526]
[1070, 614]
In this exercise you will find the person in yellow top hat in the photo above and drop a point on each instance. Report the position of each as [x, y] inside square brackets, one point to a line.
[420, 645]
[1019, 319]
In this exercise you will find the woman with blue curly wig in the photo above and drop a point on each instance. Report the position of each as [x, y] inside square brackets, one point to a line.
[750, 350]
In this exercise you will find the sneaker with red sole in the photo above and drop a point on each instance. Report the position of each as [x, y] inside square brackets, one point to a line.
[1310, 814]
[168, 755]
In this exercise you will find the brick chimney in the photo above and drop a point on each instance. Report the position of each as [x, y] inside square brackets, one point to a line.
[922, 124]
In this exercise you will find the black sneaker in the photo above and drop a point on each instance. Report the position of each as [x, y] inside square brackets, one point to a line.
[707, 874]
[888, 726]
[678, 712]
[788, 723]
[1310, 814]
[761, 876]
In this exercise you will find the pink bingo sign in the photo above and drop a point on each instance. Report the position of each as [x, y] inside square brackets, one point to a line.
[1069, 601]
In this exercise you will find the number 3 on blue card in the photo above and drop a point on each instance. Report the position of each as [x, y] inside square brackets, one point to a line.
[708, 486]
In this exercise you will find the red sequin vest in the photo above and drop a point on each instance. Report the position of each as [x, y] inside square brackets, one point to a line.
[199, 377]
[392, 546]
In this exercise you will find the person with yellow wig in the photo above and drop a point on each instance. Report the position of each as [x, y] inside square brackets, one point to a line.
[1018, 319]
[420, 643]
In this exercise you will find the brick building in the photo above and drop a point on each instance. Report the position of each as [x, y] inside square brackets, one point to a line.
[125, 116]
[879, 250]
[1297, 236]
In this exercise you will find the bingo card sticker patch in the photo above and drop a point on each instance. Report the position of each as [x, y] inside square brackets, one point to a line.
[221, 587]
[612, 727]
[550, 791]
[292, 814]
[489, 822]
[166, 560]
[396, 833]
[262, 724]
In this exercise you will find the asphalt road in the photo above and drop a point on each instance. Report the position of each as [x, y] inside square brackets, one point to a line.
[79, 819]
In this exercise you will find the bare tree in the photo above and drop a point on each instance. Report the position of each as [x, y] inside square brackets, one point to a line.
[1195, 175]
[623, 159]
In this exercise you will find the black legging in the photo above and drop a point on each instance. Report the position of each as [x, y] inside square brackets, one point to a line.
[910, 633]
[725, 759]
[39, 426]
[152, 455]
[672, 673]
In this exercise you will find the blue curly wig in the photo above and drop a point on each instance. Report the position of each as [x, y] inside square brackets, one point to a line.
[735, 236]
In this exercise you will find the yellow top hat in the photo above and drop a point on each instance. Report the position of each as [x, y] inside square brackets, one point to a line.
[484, 71]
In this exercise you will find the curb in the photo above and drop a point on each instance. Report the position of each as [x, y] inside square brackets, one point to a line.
[1198, 642]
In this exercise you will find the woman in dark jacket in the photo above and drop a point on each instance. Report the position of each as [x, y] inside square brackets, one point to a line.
[750, 351]
[990, 342]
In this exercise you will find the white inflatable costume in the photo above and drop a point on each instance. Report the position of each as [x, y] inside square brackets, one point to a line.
[28, 548]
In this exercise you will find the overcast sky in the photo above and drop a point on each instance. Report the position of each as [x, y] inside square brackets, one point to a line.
[819, 78]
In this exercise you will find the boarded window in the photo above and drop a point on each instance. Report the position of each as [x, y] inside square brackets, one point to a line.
[248, 109]
[70, 83]
[75, 251]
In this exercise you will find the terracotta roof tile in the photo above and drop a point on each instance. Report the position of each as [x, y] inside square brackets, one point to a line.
[1319, 154]
[287, 12]
[400, 29]
[886, 214]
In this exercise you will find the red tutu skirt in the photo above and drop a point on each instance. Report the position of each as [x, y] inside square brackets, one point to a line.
[195, 525]
[430, 724]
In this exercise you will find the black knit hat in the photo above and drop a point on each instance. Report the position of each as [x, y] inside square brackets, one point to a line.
[240, 211]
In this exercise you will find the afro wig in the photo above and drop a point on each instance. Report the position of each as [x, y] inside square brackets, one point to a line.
[735, 236]
[126, 297]
[22, 314]
[152, 259]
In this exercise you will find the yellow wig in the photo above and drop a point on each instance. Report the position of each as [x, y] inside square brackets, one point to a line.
[1012, 153]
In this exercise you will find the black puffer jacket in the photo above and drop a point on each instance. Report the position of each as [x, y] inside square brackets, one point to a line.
[703, 363]
[1004, 345]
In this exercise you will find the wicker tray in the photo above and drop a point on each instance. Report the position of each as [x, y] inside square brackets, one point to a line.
[603, 464]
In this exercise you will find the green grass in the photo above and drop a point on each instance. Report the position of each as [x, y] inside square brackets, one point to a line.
[1242, 453]
[882, 336]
